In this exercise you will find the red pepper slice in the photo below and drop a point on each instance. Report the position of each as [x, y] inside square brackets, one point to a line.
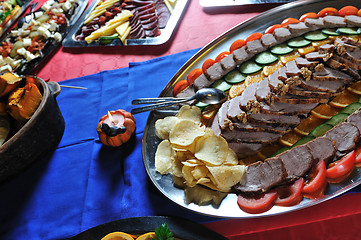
[180, 86]
[193, 75]
[236, 45]
[348, 10]
[272, 28]
[221, 56]
[257, 204]
[316, 179]
[339, 170]
[254, 36]
[290, 195]
[327, 11]
[208, 63]
[308, 15]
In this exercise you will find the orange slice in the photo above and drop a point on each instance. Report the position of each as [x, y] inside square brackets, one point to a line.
[269, 150]
[289, 57]
[316, 44]
[254, 78]
[268, 70]
[303, 51]
[290, 138]
[118, 236]
[324, 111]
[344, 98]
[208, 113]
[147, 236]
[308, 124]
[236, 90]
[355, 88]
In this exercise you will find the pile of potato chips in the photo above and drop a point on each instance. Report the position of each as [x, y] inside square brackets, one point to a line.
[194, 152]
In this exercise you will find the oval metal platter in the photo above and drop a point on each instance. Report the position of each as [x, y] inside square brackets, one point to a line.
[218, 204]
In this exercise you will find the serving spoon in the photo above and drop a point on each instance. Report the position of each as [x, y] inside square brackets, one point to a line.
[204, 95]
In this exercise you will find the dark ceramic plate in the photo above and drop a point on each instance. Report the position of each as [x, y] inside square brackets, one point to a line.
[181, 228]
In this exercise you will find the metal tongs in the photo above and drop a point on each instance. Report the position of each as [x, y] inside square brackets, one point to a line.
[205, 95]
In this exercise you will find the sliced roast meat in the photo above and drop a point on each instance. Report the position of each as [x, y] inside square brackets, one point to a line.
[228, 63]
[241, 55]
[314, 94]
[322, 149]
[202, 82]
[350, 41]
[268, 40]
[292, 69]
[282, 34]
[316, 56]
[152, 18]
[353, 20]
[326, 48]
[323, 86]
[353, 56]
[269, 118]
[162, 12]
[215, 72]
[330, 74]
[243, 149]
[248, 96]
[298, 99]
[263, 92]
[262, 176]
[234, 112]
[150, 26]
[355, 119]
[187, 92]
[255, 46]
[334, 21]
[345, 135]
[215, 125]
[347, 62]
[303, 62]
[222, 115]
[286, 108]
[246, 135]
[314, 23]
[298, 161]
[298, 29]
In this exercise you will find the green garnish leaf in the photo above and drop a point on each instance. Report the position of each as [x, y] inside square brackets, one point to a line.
[163, 233]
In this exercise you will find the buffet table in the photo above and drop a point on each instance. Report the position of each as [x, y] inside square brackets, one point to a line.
[83, 184]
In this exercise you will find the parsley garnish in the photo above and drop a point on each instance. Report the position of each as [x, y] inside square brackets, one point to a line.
[163, 233]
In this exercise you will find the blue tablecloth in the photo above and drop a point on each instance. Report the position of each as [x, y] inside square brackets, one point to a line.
[83, 183]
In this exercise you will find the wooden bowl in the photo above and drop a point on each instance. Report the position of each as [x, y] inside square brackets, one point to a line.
[41, 134]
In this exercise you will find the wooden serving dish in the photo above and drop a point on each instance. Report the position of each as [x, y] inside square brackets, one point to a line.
[38, 136]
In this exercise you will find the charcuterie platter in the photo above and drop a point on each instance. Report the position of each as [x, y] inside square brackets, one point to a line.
[10, 11]
[228, 204]
[38, 34]
[126, 23]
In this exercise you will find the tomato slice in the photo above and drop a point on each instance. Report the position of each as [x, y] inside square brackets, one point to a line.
[272, 28]
[348, 10]
[358, 156]
[208, 63]
[327, 11]
[290, 195]
[257, 204]
[288, 21]
[341, 168]
[180, 86]
[221, 56]
[308, 15]
[316, 179]
[359, 13]
[254, 36]
[193, 75]
[236, 45]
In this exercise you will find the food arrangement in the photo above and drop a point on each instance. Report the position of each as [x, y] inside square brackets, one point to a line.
[20, 97]
[293, 93]
[129, 19]
[8, 10]
[40, 31]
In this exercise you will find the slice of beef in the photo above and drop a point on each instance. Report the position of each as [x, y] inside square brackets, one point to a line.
[330, 74]
[215, 125]
[322, 149]
[292, 69]
[234, 112]
[314, 23]
[248, 95]
[297, 29]
[286, 108]
[243, 149]
[326, 48]
[262, 176]
[347, 62]
[353, 56]
[298, 99]
[353, 20]
[332, 63]
[215, 72]
[345, 135]
[201, 82]
[268, 40]
[263, 92]
[316, 56]
[186, 93]
[269, 118]
[282, 34]
[350, 41]
[303, 62]
[355, 119]
[222, 115]
[251, 135]
[241, 55]
[228, 63]
[274, 82]
[298, 161]
[314, 94]
[323, 86]
[162, 12]
[255, 46]
[334, 21]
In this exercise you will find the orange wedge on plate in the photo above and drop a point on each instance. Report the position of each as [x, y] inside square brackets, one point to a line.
[324, 111]
[316, 44]
[118, 236]
[289, 57]
[269, 69]
[308, 124]
[236, 90]
[303, 51]
[290, 138]
[254, 78]
[355, 88]
[146, 236]
[343, 99]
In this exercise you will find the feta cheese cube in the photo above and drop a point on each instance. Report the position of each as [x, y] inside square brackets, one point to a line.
[57, 36]
[46, 25]
[21, 51]
[34, 22]
[29, 56]
[1, 60]
[15, 63]
[44, 32]
[67, 5]
[14, 33]
[50, 2]
[53, 26]
[26, 42]
[38, 14]
[8, 60]
[57, 10]
[5, 68]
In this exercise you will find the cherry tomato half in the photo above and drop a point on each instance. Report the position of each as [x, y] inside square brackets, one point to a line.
[327, 11]
[254, 36]
[272, 28]
[236, 45]
[358, 156]
[316, 178]
[308, 15]
[257, 204]
[221, 55]
[180, 86]
[342, 167]
[193, 75]
[290, 195]
[288, 21]
[209, 62]
[348, 10]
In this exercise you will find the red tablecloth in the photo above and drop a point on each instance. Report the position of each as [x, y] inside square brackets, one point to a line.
[335, 219]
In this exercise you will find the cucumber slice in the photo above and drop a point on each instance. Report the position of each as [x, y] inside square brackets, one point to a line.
[303, 141]
[338, 118]
[315, 36]
[330, 31]
[249, 67]
[347, 30]
[108, 39]
[265, 58]
[320, 130]
[222, 85]
[281, 49]
[351, 108]
[234, 77]
[298, 42]
[201, 105]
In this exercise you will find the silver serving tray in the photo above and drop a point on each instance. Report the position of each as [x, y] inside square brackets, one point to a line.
[226, 3]
[228, 207]
[165, 35]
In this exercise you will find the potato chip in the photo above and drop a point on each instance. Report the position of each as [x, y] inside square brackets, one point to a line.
[203, 180]
[192, 113]
[189, 148]
[224, 177]
[231, 159]
[212, 150]
[200, 171]
[164, 126]
[185, 132]
[164, 157]
[188, 176]
[192, 163]
[203, 196]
